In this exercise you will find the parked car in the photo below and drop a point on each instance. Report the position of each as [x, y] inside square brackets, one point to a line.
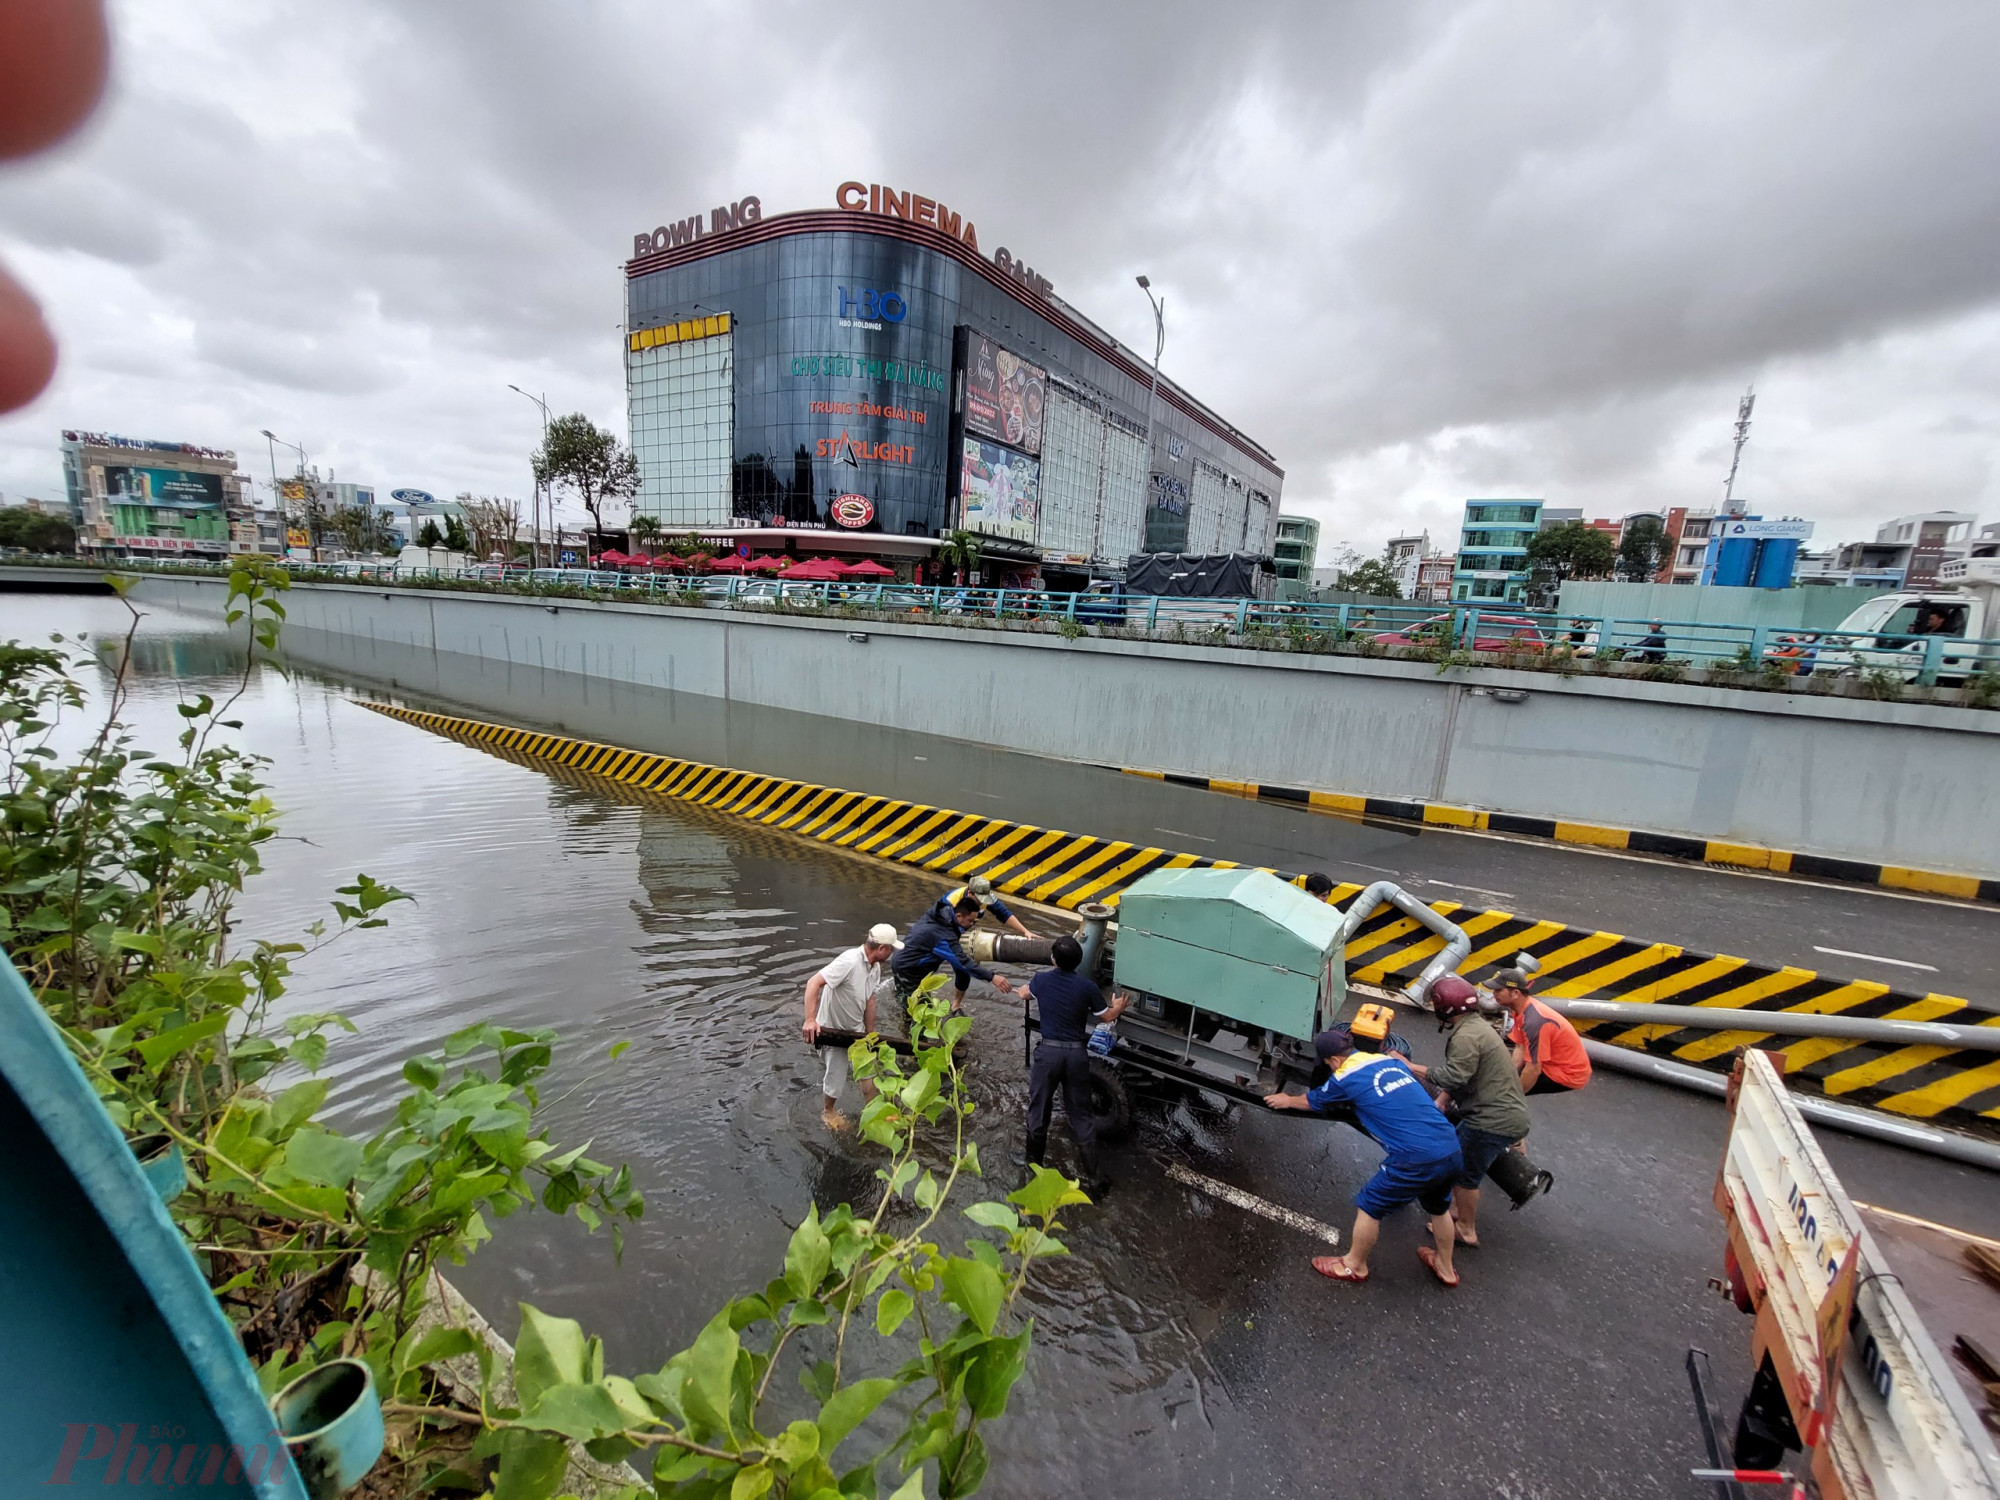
[1495, 633]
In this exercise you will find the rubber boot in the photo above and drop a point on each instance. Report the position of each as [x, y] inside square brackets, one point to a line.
[1519, 1178]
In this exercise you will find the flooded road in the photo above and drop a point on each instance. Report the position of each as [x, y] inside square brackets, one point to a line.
[1185, 1349]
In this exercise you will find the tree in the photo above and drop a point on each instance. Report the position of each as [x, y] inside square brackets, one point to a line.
[645, 530]
[1371, 577]
[359, 529]
[494, 522]
[958, 551]
[1569, 550]
[430, 536]
[589, 462]
[35, 531]
[454, 535]
[1643, 549]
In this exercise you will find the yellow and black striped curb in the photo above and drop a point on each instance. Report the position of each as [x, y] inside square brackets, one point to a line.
[1597, 835]
[1067, 869]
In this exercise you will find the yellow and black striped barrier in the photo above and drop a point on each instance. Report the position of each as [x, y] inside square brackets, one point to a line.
[1067, 869]
[1597, 835]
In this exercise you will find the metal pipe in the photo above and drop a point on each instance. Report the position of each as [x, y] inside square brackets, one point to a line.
[1785, 1023]
[1096, 919]
[1456, 944]
[1007, 948]
[1847, 1117]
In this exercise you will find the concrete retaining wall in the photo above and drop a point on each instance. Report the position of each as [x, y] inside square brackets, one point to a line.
[1898, 784]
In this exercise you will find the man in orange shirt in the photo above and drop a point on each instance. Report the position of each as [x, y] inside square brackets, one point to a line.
[1547, 1049]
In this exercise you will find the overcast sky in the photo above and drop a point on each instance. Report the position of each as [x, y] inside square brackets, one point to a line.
[1421, 251]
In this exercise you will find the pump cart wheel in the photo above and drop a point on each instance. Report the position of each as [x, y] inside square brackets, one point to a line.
[1110, 1101]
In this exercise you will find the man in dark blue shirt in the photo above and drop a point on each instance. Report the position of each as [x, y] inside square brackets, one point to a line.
[1066, 1001]
[1421, 1161]
[933, 943]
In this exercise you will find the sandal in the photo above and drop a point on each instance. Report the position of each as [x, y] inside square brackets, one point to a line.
[1430, 1258]
[1333, 1267]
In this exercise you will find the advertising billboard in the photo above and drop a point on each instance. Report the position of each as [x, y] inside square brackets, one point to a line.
[1004, 395]
[161, 486]
[999, 491]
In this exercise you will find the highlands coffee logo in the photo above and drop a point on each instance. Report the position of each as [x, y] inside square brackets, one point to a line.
[852, 511]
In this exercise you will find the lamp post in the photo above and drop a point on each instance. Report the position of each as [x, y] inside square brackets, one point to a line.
[312, 508]
[537, 502]
[1159, 306]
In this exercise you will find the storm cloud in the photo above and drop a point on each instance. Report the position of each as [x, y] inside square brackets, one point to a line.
[1421, 251]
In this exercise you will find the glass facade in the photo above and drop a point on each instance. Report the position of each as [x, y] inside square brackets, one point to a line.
[1493, 549]
[830, 372]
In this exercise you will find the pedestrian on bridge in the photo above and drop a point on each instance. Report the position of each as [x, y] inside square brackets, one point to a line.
[1422, 1159]
[1067, 1002]
[980, 889]
[840, 1009]
[1548, 1053]
[1480, 1080]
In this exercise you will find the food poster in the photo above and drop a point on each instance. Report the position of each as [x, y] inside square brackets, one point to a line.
[1004, 395]
[999, 492]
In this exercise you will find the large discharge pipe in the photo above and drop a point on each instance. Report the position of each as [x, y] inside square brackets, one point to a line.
[1847, 1117]
[1784, 1023]
[1456, 943]
[1007, 948]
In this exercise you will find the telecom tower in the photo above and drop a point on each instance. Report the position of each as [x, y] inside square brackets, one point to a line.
[1731, 506]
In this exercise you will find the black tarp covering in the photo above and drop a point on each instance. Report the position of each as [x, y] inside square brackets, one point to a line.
[1182, 575]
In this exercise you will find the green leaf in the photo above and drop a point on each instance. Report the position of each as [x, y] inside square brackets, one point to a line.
[991, 1372]
[809, 1313]
[298, 1104]
[919, 1091]
[550, 1352]
[137, 942]
[910, 1489]
[927, 1192]
[1047, 1191]
[973, 1289]
[751, 1482]
[711, 1374]
[588, 1411]
[808, 1256]
[848, 1408]
[795, 1445]
[618, 1050]
[994, 1216]
[895, 1306]
[532, 1465]
[308, 1052]
[159, 1050]
[317, 1155]
[423, 1073]
[962, 1467]
[441, 1344]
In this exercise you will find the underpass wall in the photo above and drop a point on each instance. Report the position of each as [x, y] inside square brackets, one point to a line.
[1898, 784]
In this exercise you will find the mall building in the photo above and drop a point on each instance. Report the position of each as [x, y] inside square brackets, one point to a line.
[870, 375]
[135, 497]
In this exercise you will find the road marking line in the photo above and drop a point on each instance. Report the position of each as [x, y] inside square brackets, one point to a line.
[1251, 1203]
[1176, 833]
[1876, 958]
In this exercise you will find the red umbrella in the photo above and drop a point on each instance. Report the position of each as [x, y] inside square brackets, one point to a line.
[612, 556]
[765, 564]
[814, 570]
[867, 568]
[730, 563]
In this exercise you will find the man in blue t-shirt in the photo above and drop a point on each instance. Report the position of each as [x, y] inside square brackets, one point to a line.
[1421, 1153]
[1066, 1001]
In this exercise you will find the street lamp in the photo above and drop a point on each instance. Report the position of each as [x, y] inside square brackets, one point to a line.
[537, 502]
[1159, 306]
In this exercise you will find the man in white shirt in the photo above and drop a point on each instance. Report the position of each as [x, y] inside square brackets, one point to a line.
[840, 999]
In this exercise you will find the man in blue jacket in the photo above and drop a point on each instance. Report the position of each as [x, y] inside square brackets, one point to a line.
[1421, 1161]
[933, 943]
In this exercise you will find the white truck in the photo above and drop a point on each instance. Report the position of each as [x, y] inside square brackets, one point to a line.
[1846, 1369]
[1945, 632]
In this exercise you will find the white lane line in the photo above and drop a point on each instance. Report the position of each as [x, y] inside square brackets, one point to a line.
[1176, 833]
[1477, 890]
[1251, 1203]
[1876, 958]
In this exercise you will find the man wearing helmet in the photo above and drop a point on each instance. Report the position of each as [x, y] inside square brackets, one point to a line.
[1482, 1082]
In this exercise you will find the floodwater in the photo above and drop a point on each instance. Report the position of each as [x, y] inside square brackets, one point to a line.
[1184, 1349]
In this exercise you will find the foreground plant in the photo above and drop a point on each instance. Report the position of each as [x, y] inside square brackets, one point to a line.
[947, 1344]
[120, 870]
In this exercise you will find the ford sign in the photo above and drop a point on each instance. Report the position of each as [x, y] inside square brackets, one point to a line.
[853, 511]
[413, 497]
